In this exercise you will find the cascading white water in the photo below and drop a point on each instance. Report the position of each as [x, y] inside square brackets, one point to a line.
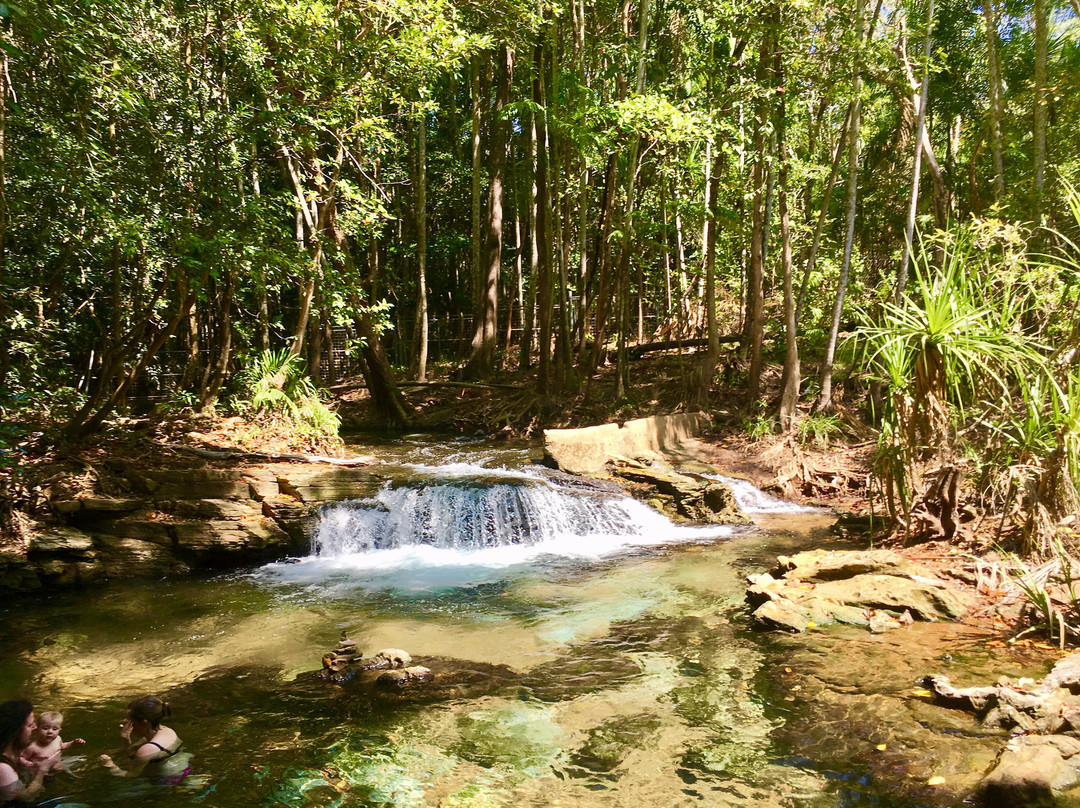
[753, 500]
[468, 508]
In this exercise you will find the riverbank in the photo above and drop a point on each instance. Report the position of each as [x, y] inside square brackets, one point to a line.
[168, 491]
[234, 509]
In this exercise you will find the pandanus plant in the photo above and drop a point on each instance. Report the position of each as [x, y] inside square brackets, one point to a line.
[954, 339]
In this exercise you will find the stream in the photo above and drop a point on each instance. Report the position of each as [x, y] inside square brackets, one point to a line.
[588, 653]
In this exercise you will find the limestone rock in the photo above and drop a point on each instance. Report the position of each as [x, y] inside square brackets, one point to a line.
[173, 484]
[876, 589]
[405, 677]
[814, 566]
[686, 496]
[263, 483]
[66, 540]
[318, 484]
[1030, 771]
[388, 658]
[110, 504]
[1049, 707]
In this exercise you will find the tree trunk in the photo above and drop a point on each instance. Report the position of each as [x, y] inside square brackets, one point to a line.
[755, 281]
[824, 402]
[920, 132]
[529, 303]
[481, 361]
[789, 385]
[421, 246]
[544, 297]
[712, 353]
[221, 366]
[476, 240]
[993, 67]
[1042, 101]
[823, 213]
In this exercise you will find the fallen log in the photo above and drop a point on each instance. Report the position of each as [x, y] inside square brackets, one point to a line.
[638, 351]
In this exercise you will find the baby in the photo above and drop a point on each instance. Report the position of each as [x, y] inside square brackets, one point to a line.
[46, 742]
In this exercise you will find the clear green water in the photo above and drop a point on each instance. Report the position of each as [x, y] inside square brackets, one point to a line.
[625, 681]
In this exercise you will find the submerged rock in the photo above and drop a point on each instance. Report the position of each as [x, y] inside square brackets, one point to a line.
[1033, 768]
[388, 659]
[876, 589]
[406, 677]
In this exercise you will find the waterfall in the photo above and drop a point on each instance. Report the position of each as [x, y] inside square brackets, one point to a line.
[753, 500]
[468, 508]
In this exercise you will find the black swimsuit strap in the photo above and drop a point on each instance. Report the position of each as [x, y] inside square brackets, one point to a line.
[168, 752]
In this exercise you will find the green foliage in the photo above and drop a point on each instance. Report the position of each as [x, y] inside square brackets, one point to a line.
[1050, 588]
[759, 425]
[275, 387]
[818, 430]
[951, 350]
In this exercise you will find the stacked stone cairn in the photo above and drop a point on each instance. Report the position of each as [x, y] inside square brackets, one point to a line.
[341, 666]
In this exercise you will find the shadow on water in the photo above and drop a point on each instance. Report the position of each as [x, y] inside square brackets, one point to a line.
[578, 676]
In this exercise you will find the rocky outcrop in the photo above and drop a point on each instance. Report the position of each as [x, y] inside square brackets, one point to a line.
[175, 520]
[1035, 767]
[588, 450]
[876, 589]
[683, 496]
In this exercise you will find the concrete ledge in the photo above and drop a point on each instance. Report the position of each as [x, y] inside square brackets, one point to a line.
[589, 449]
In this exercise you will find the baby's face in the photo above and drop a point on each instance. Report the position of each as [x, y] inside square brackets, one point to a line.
[48, 731]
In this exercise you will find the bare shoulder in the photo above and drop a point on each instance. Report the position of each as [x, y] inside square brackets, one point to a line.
[8, 775]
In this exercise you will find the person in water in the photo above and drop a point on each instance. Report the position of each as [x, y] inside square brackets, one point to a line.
[46, 743]
[17, 727]
[153, 748]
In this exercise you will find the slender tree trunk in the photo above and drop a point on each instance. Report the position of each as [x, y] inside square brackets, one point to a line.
[943, 200]
[477, 159]
[920, 132]
[529, 303]
[221, 366]
[544, 296]
[482, 358]
[811, 258]
[603, 266]
[755, 282]
[712, 353]
[993, 69]
[633, 165]
[789, 385]
[5, 352]
[1042, 109]
[421, 246]
[583, 267]
[824, 402]
[382, 386]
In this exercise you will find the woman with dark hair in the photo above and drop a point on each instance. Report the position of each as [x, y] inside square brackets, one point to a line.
[16, 729]
[152, 746]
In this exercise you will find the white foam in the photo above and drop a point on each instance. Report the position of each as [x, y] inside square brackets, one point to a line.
[753, 500]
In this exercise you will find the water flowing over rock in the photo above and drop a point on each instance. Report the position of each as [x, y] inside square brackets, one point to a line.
[685, 495]
[876, 589]
[477, 510]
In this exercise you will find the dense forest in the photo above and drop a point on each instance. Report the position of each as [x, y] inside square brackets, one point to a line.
[197, 197]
